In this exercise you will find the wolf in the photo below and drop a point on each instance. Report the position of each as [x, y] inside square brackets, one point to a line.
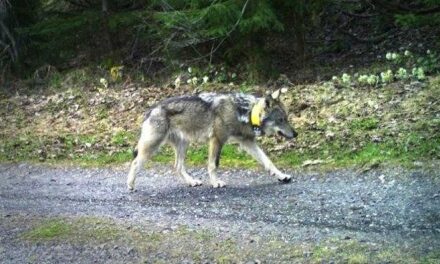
[213, 118]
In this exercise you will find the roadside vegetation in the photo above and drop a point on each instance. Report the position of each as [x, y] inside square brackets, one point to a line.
[396, 123]
[362, 77]
[181, 243]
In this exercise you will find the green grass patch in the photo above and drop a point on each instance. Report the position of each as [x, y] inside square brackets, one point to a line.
[84, 229]
[100, 159]
[369, 123]
[355, 252]
[122, 138]
[52, 229]
[198, 155]
[89, 150]
[204, 245]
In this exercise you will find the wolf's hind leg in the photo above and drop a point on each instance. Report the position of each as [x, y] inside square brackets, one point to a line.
[149, 142]
[180, 147]
[215, 149]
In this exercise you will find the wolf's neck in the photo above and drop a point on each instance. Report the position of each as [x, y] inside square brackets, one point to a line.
[244, 103]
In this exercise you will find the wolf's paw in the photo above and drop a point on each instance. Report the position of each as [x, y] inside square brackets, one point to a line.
[285, 178]
[130, 187]
[218, 184]
[194, 183]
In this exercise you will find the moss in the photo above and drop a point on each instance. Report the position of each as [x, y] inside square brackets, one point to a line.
[49, 230]
[364, 123]
[76, 230]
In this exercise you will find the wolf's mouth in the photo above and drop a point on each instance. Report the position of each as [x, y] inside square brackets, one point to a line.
[280, 133]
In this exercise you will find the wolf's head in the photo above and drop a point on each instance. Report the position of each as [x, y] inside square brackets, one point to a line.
[275, 120]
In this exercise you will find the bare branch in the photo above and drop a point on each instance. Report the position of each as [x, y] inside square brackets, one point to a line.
[359, 15]
[400, 9]
[371, 40]
[76, 3]
[7, 48]
[13, 49]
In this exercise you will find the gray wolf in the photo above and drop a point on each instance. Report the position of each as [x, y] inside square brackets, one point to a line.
[214, 119]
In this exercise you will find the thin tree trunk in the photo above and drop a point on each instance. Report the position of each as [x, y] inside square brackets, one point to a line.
[105, 6]
[12, 47]
[300, 37]
[106, 31]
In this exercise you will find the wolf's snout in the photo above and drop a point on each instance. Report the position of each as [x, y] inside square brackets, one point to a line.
[294, 134]
[291, 135]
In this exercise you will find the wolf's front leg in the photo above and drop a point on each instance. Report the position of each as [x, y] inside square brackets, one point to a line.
[215, 148]
[255, 151]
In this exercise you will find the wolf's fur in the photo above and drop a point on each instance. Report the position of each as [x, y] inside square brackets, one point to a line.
[213, 118]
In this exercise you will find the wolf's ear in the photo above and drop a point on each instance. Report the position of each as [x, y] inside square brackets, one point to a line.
[276, 95]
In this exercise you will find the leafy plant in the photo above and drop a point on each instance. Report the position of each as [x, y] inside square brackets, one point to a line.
[407, 66]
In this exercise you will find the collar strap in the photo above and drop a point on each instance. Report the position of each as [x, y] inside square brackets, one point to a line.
[257, 112]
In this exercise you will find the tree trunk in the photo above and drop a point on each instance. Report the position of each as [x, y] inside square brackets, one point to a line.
[108, 47]
[105, 6]
[300, 37]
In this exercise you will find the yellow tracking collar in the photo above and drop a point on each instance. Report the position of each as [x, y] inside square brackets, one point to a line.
[258, 112]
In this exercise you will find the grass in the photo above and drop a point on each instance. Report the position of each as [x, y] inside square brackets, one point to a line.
[407, 130]
[201, 245]
[81, 150]
[77, 230]
[49, 230]
[364, 124]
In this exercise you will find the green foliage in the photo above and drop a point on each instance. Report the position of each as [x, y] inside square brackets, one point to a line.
[233, 30]
[59, 34]
[14, 14]
[154, 35]
[400, 67]
[419, 15]
[56, 34]
[412, 20]
[49, 230]
[79, 230]
[364, 124]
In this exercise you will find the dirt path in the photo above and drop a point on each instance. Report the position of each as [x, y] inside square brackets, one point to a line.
[381, 211]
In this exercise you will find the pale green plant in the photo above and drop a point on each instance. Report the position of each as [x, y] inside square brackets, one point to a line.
[363, 79]
[388, 56]
[402, 74]
[387, 77]
[104, 82]
[418, 73]
[346, 79]
[373, 80]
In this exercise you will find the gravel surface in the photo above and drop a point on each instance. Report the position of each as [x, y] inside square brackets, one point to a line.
[392, 205]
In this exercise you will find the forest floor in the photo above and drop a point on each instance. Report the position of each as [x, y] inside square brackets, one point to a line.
[86, 215]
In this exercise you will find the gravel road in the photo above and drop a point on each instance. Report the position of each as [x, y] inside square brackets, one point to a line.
[394, 206]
